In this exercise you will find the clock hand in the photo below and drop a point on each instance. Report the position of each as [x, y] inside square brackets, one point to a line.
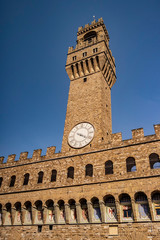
[81, 135]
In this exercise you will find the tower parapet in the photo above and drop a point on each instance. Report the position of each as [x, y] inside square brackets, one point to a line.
[92, 53]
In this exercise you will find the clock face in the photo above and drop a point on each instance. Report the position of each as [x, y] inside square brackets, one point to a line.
[81, 135]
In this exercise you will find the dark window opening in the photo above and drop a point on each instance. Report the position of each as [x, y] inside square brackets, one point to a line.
[40, 177]
[87, 65]
[82, 67]
[70, 173]
[154, 161]
[88, 36]
[1, 180]
[140, 197]
[108, 167]
[40, 228]
[130, 164]
[54, 176]
[77, 68]
[74, 58]
[13, 179]
[92, 63]
[85, 79]
[50, 227]
[84, 54]
[26, 179]
[125, 198]
[72, 70]
[109, 199]
[89, 170]
[97, 59]
[156, 196]
[95, 50]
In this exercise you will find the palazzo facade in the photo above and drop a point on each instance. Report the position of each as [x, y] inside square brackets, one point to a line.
[99, 186]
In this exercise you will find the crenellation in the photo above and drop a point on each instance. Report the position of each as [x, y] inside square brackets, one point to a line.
[23, 156]
[116, 138]
[11, 158]
[87, 25]
[1, 160]
[50, 152]
[137, 133]
[36, 155]
[157, 129]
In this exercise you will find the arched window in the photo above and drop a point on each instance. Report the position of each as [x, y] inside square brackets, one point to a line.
[54, 175]
[111, 213]
[1, 180]
[88, 36]
[89, 170]
[70, 173]
[130, 164]
[39, 211]
[73, 214]
[50, 211]
[125, 202]
[28, 212]
[156, 204]
[12, 182]
[8, 217]
[154, 161]
[96, 209]
[62, 217]
[142, 205]
[26, 179]
[18, 214]
[108, 167]
[84, 209]
[40, 177]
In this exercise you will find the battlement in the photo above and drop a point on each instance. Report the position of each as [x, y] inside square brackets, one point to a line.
[92, 26]
[137, 137]
[36, 156]
[114, 140]
[88, 27]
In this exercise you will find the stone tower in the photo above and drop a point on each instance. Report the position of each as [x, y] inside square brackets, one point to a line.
[91, 69]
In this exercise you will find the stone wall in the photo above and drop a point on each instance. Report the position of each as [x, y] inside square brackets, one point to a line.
[143, 231]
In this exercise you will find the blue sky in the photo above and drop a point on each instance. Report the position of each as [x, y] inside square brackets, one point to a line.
[35, 36]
